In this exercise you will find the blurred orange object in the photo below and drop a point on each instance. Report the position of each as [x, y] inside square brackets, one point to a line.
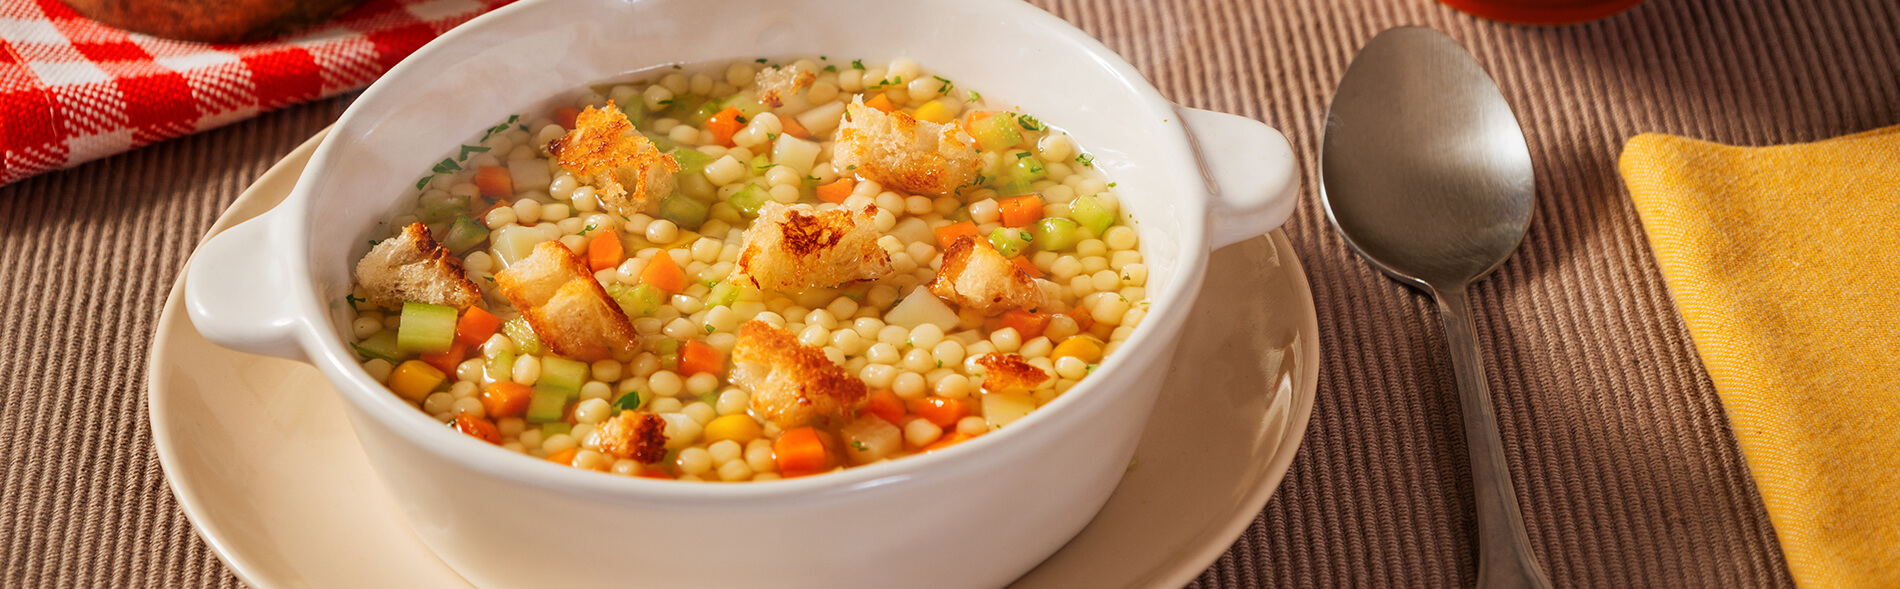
[1543, 12]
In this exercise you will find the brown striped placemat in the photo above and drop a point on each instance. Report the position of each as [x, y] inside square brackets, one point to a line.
[1625, 467]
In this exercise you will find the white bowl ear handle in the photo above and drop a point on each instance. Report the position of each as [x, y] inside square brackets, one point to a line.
[236, 290]
[1251, 174]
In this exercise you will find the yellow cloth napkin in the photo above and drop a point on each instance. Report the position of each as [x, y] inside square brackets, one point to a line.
[1785, 263]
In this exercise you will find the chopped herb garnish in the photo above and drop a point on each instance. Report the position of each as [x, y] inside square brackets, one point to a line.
[667, 102]
[424, 182]
[857, 64]
[760, 60]
[1086, 159]
[351, 298]
[851, 167]
[629, 401]
[974, 96]
[831, 68]
[676, 66]
[1031, 123]
[1092, 367]
[373, 242]
[1111, 185]
[860, 446]
[940, 364]
[823, 58]
[488, 278]
[1027, 236]
[709, 328]
[771, 136]
[945, 89]
[1022, 155]
[590, 227]
[512, 119]
[447, 165]
[468, 149]
[740, 119]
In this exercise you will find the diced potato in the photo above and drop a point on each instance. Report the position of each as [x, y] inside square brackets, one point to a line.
[1000, 409]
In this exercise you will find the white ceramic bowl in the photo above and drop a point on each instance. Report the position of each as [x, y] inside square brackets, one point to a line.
[977, 514]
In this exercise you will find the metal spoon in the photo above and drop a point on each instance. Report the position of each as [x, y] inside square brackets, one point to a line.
[1425, 173]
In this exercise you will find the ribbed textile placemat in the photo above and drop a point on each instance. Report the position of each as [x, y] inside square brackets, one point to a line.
[1625, 467]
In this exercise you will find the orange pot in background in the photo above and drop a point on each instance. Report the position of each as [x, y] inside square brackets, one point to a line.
[1543, 12]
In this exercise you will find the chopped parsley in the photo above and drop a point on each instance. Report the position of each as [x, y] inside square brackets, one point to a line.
[860, 446]
[831, 68]
[351, 298]
[1031, 123]
[468, 149]
[424, 182]
[628, 402]
[1111, 185]
[709, 328]
[590, 228]
[857, 64]
[488, 278]
[945, 88]
[1022, 155]
[447, 165]
[1086, 159]
[974, 96]
[739, 119]
[373, 242]
[512, 119]
[759, 60]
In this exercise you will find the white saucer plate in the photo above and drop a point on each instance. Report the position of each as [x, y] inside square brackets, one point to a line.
[263, 461]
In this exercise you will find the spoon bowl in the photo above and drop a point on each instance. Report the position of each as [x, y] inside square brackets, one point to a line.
[1425, 173]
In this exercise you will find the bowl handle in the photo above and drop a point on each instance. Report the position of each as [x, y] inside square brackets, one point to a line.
[237, 291]
[1250, 173]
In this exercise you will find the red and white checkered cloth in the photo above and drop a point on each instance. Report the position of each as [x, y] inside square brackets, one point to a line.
[73, 90]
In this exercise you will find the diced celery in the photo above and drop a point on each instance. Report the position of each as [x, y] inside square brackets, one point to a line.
[695, 186]
[1055, 234]
[691, 161]
[684, 211]
[1090, 213]
[723, 293]
[1029, 169]
[636, 111]
[547, 403]
[996, 133]
[693, 110]
[464, 234]
[748, 107]
[668, 350]
[526, 341]
[749, 199]
[382, 345]
[426, 328]
[636, 301]
[1010, 241]
[501, 365]
[761, 162]
[562, 372]
[551, 428]
[436, 207]
[661, 142]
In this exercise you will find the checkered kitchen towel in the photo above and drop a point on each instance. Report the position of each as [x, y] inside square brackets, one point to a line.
[73, 90]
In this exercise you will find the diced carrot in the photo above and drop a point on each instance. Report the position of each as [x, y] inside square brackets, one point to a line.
[494, 181]
[1020, 211]
[478, 428]
[836, 192]
[604, 250]
[725, 124]
[885, 404]
[799, 449]
[880, 102]
[664, 274]
[506, 399]
[949, 234]
[947, 441]
[793, 128]
[939, 410]
[654, 473]
[1028, 325]
[1083, 319]
[446, 360]
[566, 116]
[476, 326]
[697, 356]
[564, 456]
[1027, 266]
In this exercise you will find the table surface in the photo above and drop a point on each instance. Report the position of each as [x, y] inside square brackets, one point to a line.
[1625, 467]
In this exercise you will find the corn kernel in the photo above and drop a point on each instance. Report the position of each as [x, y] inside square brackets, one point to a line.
[737, 427]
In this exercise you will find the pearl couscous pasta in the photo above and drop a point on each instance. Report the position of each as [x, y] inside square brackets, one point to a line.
[752, 271]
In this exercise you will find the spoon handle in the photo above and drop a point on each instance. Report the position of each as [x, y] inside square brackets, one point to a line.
[1504, 550]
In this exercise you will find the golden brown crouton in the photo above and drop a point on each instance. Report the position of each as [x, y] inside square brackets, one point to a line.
[776, 83]
[976, 276]
[793, 248]
[639, 436]
[605, 152]
[792, 384]
[1009, 372]
[412, 268]
[904, 154]
[565, 305]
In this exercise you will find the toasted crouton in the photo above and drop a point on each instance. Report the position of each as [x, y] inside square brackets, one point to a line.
[976, 276]
[792, 384]
[639, 436]
[902, 153]
[793, 248]
[777, 83]
[565, 305]
[1010, 372]
[412, 268]
[605, 152]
